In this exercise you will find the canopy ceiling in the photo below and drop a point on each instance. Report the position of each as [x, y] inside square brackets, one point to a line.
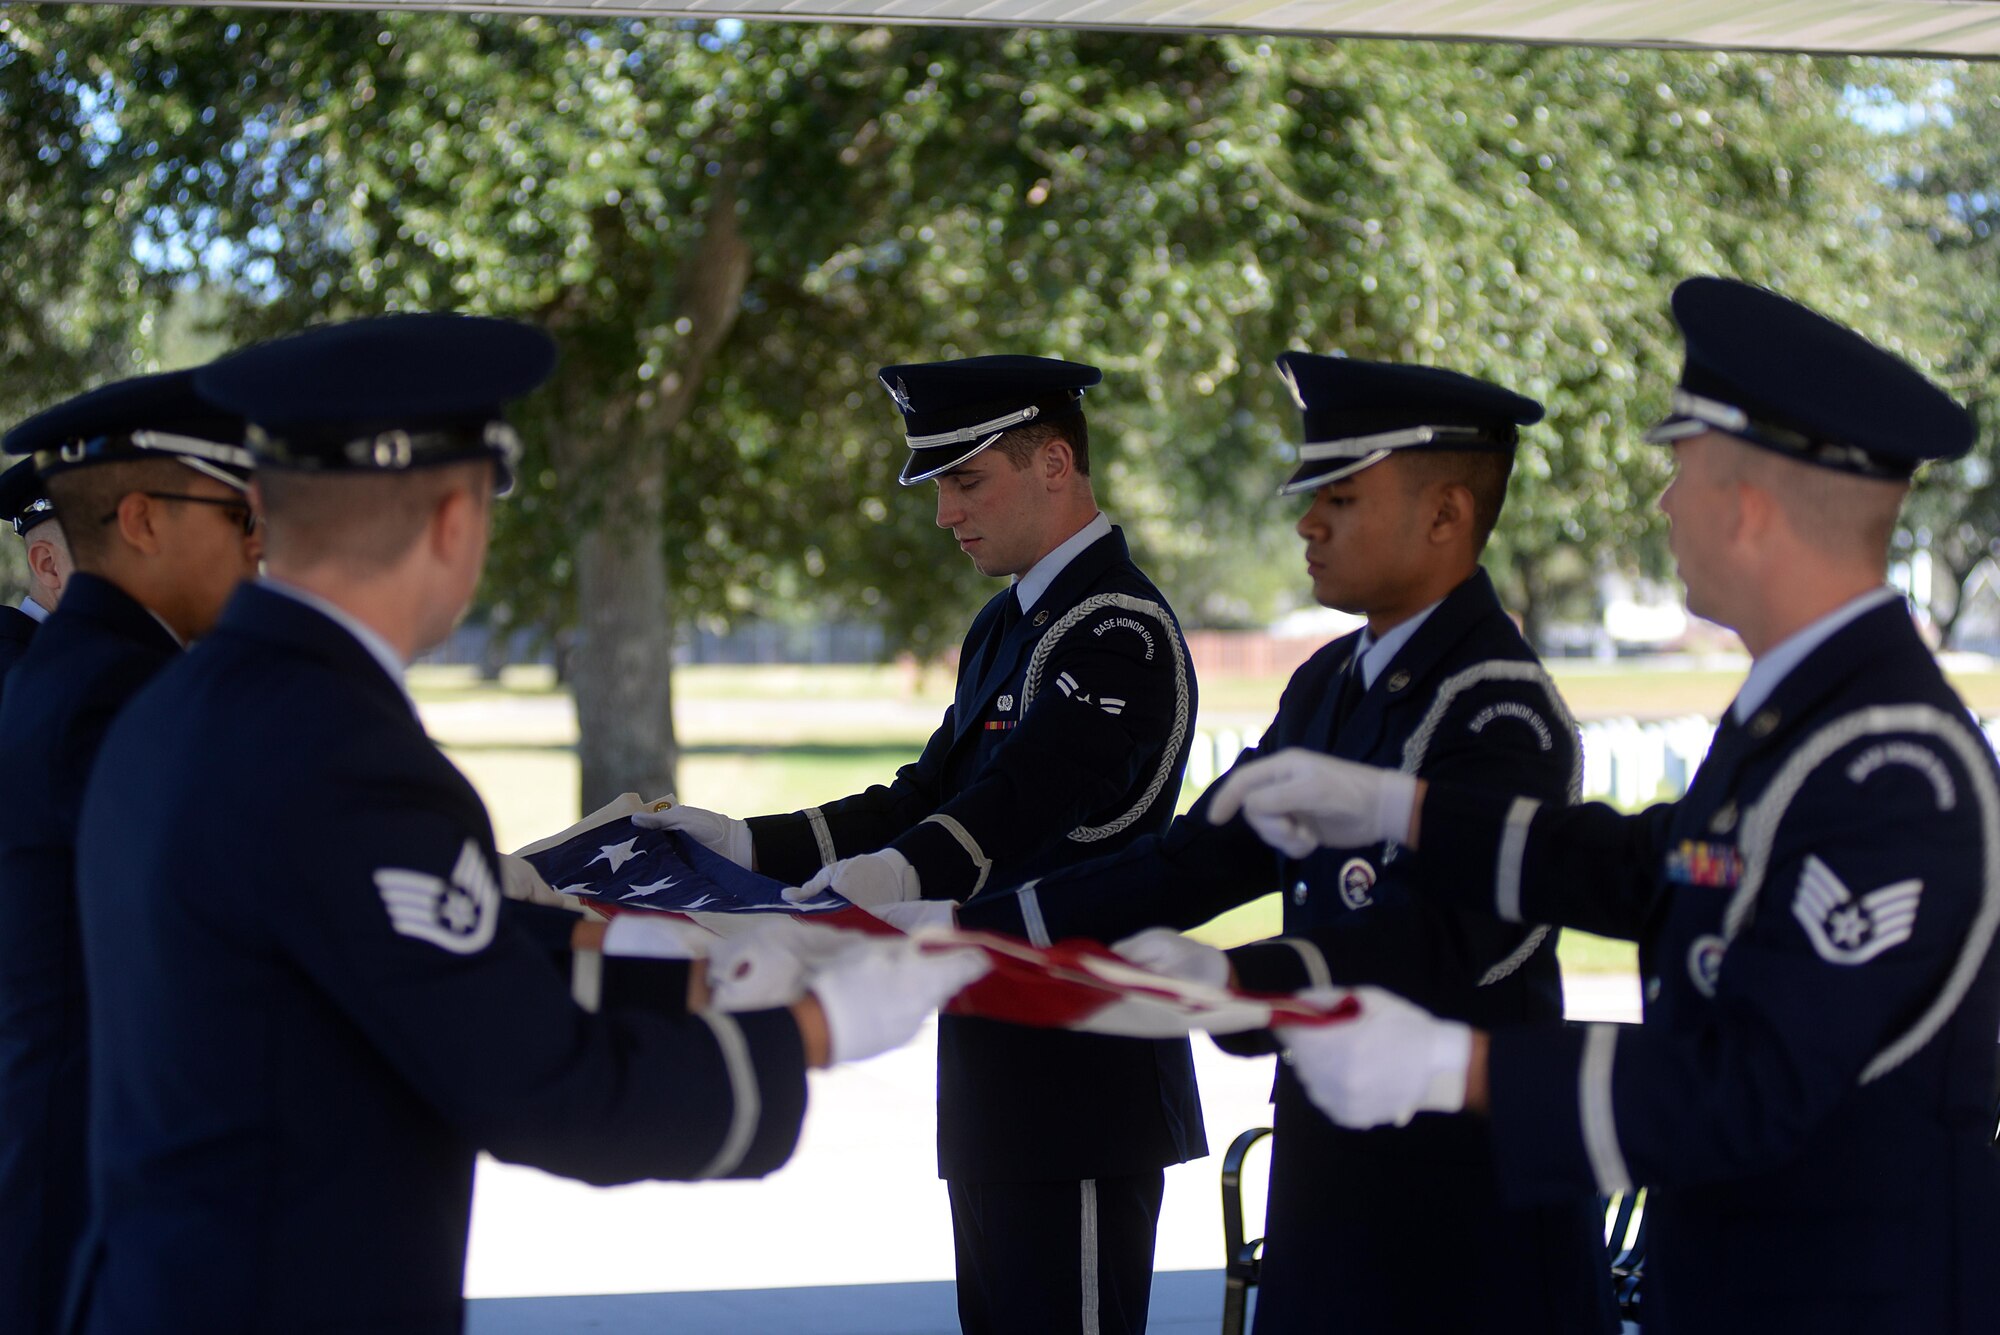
[1888, 27]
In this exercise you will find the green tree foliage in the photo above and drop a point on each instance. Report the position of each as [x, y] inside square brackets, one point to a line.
[72, 309]
[730, 227]
[1952, 173]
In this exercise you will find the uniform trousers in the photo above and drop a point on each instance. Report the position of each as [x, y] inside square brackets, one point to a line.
[1065, 1258]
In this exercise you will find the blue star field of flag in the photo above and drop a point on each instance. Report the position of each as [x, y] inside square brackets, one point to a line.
[622, 864]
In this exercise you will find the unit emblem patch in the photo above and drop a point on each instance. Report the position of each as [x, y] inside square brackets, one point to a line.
[1705, 962]
[1357, 880]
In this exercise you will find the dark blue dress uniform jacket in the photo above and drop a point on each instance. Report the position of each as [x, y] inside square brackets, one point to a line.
[1394, 1229]
[1810, 1098]
[309, 1012]
[17, 632]
[88, 661]
[1070, 742]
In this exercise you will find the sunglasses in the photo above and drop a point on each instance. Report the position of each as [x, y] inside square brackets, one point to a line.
[240, 511]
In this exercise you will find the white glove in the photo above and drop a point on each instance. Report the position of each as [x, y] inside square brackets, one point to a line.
[1384, 1066]
[520, 880]
[1299, 800]
[1165, 951]
[656, 936]
[868, 879]
[877, 997]
[752, 972]
[711, 829]
[914, 915]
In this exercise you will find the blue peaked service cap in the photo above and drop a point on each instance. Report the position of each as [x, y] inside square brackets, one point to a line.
[384, 394]
[146, 417]
[953, 410]
[24, 501]
[1358, 413]
[1770, 372]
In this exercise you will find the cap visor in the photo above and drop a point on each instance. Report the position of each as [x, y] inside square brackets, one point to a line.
[919, 466]
[1314, 475]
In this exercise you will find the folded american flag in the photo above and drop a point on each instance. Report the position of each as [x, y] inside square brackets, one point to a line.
[623, 865]
[618, 866]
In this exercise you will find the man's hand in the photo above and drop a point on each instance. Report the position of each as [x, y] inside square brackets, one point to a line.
[877, 996]
[916, 914]
[753, 973]
[655, 936]
[869, 880]
[1391, 1062]
[1299, 800]
[520, 880]
[1165, 951]
[711, 829]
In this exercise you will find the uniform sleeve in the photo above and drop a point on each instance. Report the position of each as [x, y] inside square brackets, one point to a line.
[400, 922]
[1179, 878]
[1497, 729]
[1524, 860]
[74, 752]
[1867, 904]
[1092, 749]
[793, 846]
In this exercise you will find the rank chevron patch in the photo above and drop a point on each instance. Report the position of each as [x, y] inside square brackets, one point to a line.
[459, 915]
[1849, 930]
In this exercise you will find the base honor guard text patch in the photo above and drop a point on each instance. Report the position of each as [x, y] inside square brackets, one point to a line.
[459, 915]
[1845, 929]
[1697, 862]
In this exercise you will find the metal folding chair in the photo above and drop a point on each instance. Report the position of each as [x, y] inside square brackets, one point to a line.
[1625, 1250]
[1244, 1261]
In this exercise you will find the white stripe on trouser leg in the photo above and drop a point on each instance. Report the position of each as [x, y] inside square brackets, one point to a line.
[1513, 849]
[1600, 1125]
[1090, 1298]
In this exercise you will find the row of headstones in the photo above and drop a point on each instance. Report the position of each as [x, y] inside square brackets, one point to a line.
[1626, 762]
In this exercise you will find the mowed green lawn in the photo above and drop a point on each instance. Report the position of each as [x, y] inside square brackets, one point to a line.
[762, 739]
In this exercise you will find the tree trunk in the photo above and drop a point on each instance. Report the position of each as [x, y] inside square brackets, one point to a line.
[622, 667]
[1947, 623]
[1534, 601]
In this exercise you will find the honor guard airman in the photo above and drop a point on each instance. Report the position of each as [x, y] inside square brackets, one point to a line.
[311, 1006]
[25, 503]
[1810, 1098]
[1067, 738]
[1406, 468]
[148, 485]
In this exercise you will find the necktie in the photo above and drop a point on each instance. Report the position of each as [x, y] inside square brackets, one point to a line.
[1010, 616]
[1348, 696]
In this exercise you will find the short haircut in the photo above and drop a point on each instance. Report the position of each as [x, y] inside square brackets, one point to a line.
[1060, 419]
[1843, 515]
[1484, 473]
[362, 522]
[84, 496]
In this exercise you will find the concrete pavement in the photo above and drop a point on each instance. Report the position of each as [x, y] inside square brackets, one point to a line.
[852, 1236]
